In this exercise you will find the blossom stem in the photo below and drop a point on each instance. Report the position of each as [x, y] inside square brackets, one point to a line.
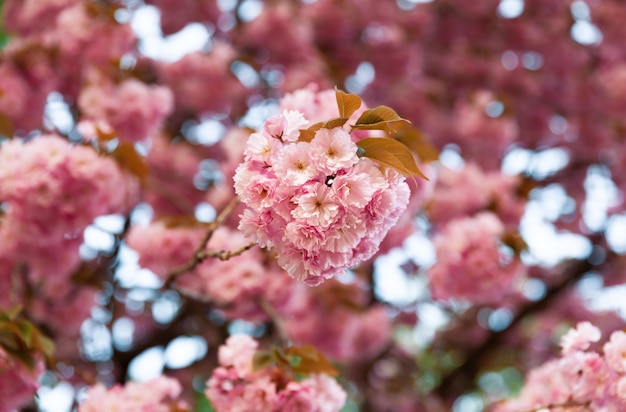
[224, 254]
[200, 254]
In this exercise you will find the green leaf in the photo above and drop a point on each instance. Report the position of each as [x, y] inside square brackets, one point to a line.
[11, 314]
[26, 333]
[203, 404]
[307, 360]
[261, 359]
[390, 153]
[45, 345]
[347, 103]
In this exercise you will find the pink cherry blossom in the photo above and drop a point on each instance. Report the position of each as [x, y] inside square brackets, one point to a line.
[579, 338]
[321, 207]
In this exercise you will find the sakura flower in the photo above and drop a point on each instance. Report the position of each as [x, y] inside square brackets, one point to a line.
[615, 351]
[333, 150]
[579, 338]
[294, 166]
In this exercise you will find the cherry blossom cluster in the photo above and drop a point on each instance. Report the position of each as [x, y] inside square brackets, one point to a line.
[459, 193]
[236, 386]
[581, 379]
[157, 395]
[471, 264]
[320, 206]
[54, 188]
[142, 115]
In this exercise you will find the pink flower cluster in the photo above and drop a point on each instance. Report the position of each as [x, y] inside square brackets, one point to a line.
[322, 208]
[235, 386]
[581, 379]
[142, 114]
[459, 193]
[18, 382]
[470, 264]
[157, 395]
[209, 72]
[54, 189]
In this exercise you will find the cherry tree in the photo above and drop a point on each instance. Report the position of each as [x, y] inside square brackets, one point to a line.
[320, 205]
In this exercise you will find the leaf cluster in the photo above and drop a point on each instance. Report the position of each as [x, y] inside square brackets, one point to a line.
[396, 151]
[297, 361]
[22, 339]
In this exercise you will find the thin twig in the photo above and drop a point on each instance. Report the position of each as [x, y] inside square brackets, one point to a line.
[224, 254]
[200, 253]
[567, 405]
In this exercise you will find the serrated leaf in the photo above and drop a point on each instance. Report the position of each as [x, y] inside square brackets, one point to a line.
[336, 122]
[390, 127]
[45, 345]
[379, 114]
[6, 125]
[309, 361]
[261, 359]
[417, 143]
[128, 158]
[391, 153]
[514, 240]
[306, 135]
[12, 313]
[24, 357]
[26, 333]
[347, 103]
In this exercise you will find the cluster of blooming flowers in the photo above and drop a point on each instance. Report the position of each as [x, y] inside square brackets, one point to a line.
[470, 262]
[55, 187]
[52, 190]
[157, 395]
[458, 193]
[581, 379]
[320, 206]
[236, 386]
[143, 113]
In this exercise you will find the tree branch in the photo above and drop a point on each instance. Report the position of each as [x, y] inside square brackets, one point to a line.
[462, 378]
[224, 254]
[200, 254]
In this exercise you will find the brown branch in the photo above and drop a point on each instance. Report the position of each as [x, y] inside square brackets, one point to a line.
[567, 405]
[224, 254]
[198, 255]
[463, 378]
